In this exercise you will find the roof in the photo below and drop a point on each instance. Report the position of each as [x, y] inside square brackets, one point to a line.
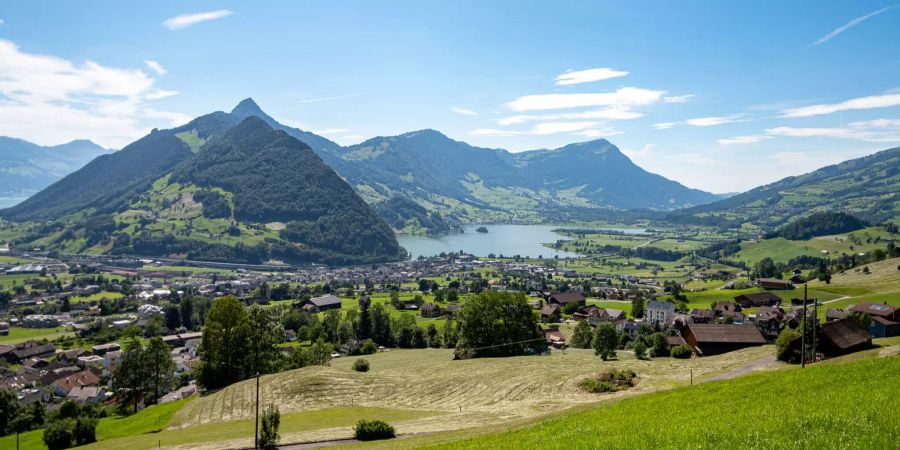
[874, 309]
[84, 393]
[836, 313]
[325, 300]
[553, 334]
[655, 304]
[34, 350]
[844, 334]
[567, 297]
[775, 281]
[549, 309]
[758, 298]
[83, 378]
[731, 334]
[675, 340]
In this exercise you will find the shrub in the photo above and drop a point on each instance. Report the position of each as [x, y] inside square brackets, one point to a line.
[683, 351]
[59, 434]
[609, 381]
[640, 350]
[595, 386]
[271, 420]
[370, 430]
[787, 346]
[361, 365]
[85, 431]
[368, 348]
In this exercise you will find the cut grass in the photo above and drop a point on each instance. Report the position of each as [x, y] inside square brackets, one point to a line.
[745, 412]
[21, 334]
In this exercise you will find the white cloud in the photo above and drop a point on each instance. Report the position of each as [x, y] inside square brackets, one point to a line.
[678, 98]
[701, 121]
[870, 102]
[50, 100]
[742, 140]
[588, 75]
[589, 129]
[463, 111]
[664, 125]
[878, 130]
[603, 114]
[186, 20]
[623, 98]
[850, 24]
[643, 152]
[156, 67]
[327, 131]
[561, 127]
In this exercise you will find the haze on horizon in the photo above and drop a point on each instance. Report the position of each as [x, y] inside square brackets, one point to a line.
[721, 97]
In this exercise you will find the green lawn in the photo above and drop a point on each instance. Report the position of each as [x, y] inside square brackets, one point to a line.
[97, 297]
[21, 334]
[830, 406]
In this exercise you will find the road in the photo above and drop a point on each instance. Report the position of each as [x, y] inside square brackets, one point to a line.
[743, 370]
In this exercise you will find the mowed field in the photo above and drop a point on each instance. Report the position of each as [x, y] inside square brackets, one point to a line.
[880, 285]
[782, 250]
[426, 391]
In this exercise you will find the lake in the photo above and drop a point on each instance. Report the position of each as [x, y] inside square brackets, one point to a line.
[507, 240]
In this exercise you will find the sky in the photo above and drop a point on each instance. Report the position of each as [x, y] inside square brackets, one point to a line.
[720, 96]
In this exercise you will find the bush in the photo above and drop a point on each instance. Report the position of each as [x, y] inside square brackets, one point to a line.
[59, 434]
[609, 381]
[640, 350]
[85, 431]
[361, 365]
[595, 386]
[787, 346]
[370, 430]
[683, 351]
[368, 348]
[271, 420]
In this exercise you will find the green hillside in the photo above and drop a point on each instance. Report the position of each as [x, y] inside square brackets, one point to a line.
[867, 187]
[829, 406]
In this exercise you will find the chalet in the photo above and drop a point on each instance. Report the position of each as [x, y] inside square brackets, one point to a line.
[842, 336]
[835, 314]
[774, 283]
[724, 308]
[659, 312]
[324, 302]
[31, 349]
[430, 310]
[757, 299]
[550, 312]
[702, 315]
[565, 298]
[86, 394]
[554, 338]
[714, 339]
[885, 318]
[770, 321]
[675, 341]
[64, 385]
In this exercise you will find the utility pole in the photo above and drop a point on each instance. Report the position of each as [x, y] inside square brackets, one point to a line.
[256, 433]
[803, 332]
[815, 323]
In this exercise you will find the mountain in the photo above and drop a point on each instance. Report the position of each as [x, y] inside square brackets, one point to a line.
[474, 184]
[213, 189]
[867, 187]
[26, 168]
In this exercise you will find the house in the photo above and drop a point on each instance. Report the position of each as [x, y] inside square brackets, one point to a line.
[565, 298]
[324, 302]
[835, 314]
[702, 315]
[757, 299]
[102, 349]
[64, 385]
[885, 318]
[659, 312]
[554, 338]
[724, 308]
[839, 337]
[675, 341]
[86, 394]
[90, 361]
[430, 310]
[770, 321]
[714, 339]
[774, 283]
[4, 328]
[550, 313]
[31, 349]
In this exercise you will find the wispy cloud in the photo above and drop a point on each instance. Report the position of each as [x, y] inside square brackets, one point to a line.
[878, 130]
[851, 24]
[870, 102]
[2, 22]
[624, 97]
[186, 20]
[327, 99]
[589, 129]
[156, 67]
[463, 111]
[743, 140]
[602, 114]
[701, 121]
[50, 100]
[678, 98]
[588, 75]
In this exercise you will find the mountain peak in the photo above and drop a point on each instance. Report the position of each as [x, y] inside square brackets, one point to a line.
[248, 107]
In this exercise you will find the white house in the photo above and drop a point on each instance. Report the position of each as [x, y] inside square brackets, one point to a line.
[659, 312]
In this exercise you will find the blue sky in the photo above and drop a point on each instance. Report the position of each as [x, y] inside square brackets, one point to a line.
[722, 96]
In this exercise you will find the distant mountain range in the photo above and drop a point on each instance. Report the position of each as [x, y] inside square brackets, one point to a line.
[867, 187]
[26, 168]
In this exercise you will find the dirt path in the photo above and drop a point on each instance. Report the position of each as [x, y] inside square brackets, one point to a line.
[336, 442]
[743, 370]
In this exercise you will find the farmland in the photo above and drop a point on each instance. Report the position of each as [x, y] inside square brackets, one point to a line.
[880, 285]
[782, 250]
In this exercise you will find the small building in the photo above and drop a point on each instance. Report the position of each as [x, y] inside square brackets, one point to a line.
[774, 283]
[86, 395]
[64, 385]
[563, 299]
[714, 339]
[101, 349]
[554, 338]
[770, 321]
[702, 315]
[550, 312]
[430, 310]
[324, 302]
[885, 318]
[659, 312]
[840, 337]
[835, 314]
[757, 299]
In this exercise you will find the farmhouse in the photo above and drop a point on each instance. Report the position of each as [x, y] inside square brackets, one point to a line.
[770, 321]
[702, 315]
[324, 302]
[431, 310]
[842, 336]
[554, 338]
[660, 312]
[566, 298]
[550, 312]
[885, 318]
[713, 339]
[774, 283]
[757, 299]
[31, 349]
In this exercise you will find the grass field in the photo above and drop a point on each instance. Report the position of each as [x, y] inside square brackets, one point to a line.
[21, 334]
[746, 412]
[880, 285]
[782, 250]
[448, 394]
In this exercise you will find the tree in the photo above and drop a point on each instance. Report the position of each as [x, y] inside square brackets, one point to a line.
[432, 338]
[864, 320]
[787, 346]
[266, 332]
[159, 367]
[59, 434]
[9, 409]
[637, 307]
[271, 420]
[605, 341]
[85, 430]
[173, 317]
[766, 268]
[130, 376]
[498, 324]
[640, 349]
[225, 336]
[187, 313]
[659, 345]
[364, 324]
[583, 335]
[317, 354]
[381, 326]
